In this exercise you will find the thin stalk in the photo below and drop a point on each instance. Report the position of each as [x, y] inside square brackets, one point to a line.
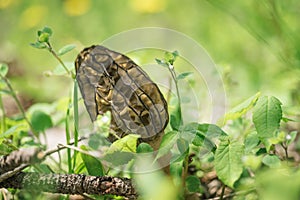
[68, 139]
[76, 119]
[3, 118]
[222, 193]
[173, 74]
[59, 60]
[20, 107]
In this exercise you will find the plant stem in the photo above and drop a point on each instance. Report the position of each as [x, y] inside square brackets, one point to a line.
[59, 60]
[3, 118]
[14, 95]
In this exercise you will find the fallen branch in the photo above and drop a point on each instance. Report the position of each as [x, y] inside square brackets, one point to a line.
[72, 184]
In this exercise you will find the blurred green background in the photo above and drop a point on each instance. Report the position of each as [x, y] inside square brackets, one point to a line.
[254, 43]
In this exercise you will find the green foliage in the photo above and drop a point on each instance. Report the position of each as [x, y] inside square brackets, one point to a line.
[245, 157]
[267, 115]
[228, 161]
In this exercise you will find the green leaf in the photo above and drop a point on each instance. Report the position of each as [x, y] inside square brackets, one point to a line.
[266, 118]
[44, 37]
[161, 62]
[66, 49]
[170, 57]
[272, 161]
[228, 161]
[40, 121]
[251, 141]
[192, 184]
[47, 30]
[183, 75]
[242, 108]
[3, 69]
[144, 148]
[291, 137]
[167, 143]
[125, 144]
[12, 130]
[93, 165]
[182, 145]
[118, 158]
[38, 45]
[176, 118]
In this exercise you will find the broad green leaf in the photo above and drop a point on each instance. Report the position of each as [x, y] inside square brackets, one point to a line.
[183, 75]
[167, 143]
[272, 161]
[118, 158]
[144, 148]
[228, 161]
[242, 108]
[66, 49]
[3, 69]
[125, 144]
[192, 184]
[40, 121]
[182, 145]
[266, 118]
[92, 164]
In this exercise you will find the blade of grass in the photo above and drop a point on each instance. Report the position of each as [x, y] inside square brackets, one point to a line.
[68, 138]
[75, 110]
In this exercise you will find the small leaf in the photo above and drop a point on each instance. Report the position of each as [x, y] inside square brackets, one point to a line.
[291, 137]
[272, 161]
[170, 57]
[183, 75]
[47, 30]
[93, 165]
[3, 69]
[228, 161]
[66, 49]
[44, 37]
[176, 118]
[40, 121]
[161, 62]
[266, 118]
[144, 148]
[38, 45]
[242, 108]
[192, 184]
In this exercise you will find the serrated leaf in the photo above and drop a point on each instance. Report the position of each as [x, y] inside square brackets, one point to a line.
[266, 118]
[3, 69]
[66, 49]
[242, 108]
[38, 45]
[192, 184]
[40, 121]
[92, 164]
[125, 144]
[183, 75]
[228, 161]
[272, 161]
